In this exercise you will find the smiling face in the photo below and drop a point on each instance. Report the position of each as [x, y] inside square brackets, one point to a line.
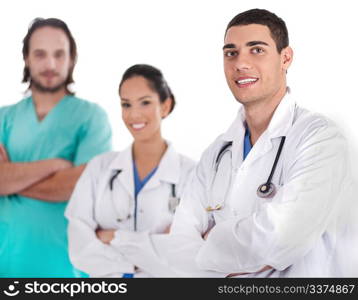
[142, 111]
[254, 70]
[49, 60]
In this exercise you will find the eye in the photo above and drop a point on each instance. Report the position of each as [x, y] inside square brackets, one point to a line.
[59, 54]
[257, 50]
[39, 54]
[125, 105]
[145, 102]
[230, 53]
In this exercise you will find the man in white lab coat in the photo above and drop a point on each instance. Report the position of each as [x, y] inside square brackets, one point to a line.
[269, 196]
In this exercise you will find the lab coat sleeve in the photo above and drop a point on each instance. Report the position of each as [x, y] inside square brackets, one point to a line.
[172, 255]
[287, 227]
[87, 252]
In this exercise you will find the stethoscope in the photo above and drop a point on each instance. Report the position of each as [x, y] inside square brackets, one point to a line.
[265, 190]
[172, 203]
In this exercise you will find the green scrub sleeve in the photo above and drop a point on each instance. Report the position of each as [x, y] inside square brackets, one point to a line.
[2, 125]
[95, 137]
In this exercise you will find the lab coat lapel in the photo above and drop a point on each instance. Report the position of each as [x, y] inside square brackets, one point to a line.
[124, 162]
[235, 134]
[279, 126]
[168, 169]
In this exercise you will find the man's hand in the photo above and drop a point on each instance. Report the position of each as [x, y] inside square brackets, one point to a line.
[58, 163]
[106, 236]
[205, 236]
[61, 164]
[238, 274]
[56, 188]
[18, 176]
[3, 154]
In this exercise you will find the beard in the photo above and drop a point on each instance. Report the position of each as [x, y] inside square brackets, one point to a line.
[36, 84]
[44, 89]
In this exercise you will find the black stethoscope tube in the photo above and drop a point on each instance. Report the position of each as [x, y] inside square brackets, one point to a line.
[276, 159]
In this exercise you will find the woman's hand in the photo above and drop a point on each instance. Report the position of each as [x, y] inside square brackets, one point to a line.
[106, 236]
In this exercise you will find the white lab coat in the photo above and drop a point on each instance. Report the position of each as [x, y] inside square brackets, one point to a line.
[93, 205]
[297, 232]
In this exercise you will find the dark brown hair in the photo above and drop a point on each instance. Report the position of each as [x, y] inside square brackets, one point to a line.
[155, 78]
[55, 23]
[276, 25]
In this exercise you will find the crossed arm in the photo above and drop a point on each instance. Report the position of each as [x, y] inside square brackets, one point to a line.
[50, 180]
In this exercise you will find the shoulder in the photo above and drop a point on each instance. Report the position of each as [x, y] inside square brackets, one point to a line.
[186, 162]
[314, 138]
[186, 165]
[103, 161]
[314, 127]
[7, 112]
[213, 150]
[4, 110]
[86, 107]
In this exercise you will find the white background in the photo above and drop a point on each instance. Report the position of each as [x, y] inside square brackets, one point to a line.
[184, 39]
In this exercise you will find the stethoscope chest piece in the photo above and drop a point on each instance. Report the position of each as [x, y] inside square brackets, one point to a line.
[266, 190]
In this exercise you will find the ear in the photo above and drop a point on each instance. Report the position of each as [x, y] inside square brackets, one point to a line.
[165, 107]
[286, 58]
[26, 60]
[72, 63]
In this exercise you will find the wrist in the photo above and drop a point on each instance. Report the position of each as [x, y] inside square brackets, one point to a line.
[59, 164]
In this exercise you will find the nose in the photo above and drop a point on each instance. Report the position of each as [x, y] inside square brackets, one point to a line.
[134, 113]
[50, 63]
[242, 62]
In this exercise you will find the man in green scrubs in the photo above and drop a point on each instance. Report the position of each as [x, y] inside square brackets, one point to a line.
[45, 142]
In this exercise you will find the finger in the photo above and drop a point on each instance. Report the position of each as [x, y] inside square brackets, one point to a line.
[3, 153]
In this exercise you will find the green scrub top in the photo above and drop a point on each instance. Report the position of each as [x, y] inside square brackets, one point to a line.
[33, 233]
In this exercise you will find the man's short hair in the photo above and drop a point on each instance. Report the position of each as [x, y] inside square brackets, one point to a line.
[275, 24]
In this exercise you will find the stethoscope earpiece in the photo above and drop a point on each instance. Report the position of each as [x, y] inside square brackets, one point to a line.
[266, 190]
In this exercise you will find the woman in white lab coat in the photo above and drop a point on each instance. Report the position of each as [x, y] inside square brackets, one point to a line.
[136, 189]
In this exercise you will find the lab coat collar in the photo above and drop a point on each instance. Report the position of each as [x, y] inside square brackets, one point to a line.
[123, 162]
[282, 118]
[168, 168]
[280, 123]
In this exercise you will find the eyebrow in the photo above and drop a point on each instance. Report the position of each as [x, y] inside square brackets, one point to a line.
[141, 98]
[229, 46]
[254, 43]
[248, 44]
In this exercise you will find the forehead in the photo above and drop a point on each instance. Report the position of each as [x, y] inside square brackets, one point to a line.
[136, 86]
[49, 38]
[242, 34]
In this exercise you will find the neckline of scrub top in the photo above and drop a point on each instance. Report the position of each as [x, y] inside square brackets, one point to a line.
[247, 142]
[50, 113]
[139, 184]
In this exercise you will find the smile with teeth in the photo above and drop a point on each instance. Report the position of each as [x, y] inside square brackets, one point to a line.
[138, 126]
[243, 82]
